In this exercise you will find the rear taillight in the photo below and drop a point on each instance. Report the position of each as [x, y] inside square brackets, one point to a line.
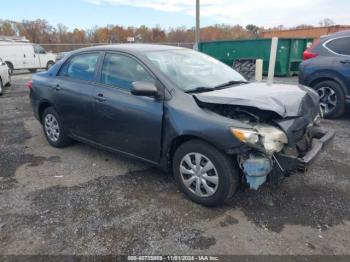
[29, 84]
[308, 55]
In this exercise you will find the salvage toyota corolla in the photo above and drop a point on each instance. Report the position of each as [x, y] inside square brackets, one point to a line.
[182, 111]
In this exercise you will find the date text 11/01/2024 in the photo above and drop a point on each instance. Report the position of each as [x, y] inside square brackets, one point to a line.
[173, 258]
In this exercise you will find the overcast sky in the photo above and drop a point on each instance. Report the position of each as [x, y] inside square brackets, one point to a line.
[172, 13]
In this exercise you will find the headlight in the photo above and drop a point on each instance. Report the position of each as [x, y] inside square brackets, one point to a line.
[249, 136]
[272, 138]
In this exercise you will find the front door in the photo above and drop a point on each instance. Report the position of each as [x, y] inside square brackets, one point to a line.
[125, 122]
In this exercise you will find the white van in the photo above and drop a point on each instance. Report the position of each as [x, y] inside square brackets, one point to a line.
[21, 55]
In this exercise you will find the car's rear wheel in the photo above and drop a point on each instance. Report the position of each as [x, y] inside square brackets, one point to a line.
[206, 175]
[332, 98]
[54, 130]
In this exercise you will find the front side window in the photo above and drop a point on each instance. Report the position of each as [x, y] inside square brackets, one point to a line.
[39, 49]
[121, 71]
[81, 67]
[189, 69]
[340, 45]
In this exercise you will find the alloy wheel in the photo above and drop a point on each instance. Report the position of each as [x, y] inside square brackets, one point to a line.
[52, 128]
[328, 99]
[199, 174]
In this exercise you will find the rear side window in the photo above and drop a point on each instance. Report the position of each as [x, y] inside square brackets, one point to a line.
[340, 45]
[81, 67]
[121, 71]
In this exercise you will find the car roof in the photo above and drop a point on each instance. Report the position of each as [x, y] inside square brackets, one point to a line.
[131, 48]
[14, 43]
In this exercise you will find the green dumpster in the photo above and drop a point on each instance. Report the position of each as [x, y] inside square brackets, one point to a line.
[289, 52]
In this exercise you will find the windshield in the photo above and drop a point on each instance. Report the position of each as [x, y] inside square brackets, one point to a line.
[190, 70]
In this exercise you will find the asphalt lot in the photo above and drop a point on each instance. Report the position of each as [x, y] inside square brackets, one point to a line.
[80, 200]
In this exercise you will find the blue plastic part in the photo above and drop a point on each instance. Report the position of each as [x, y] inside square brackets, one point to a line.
[257, 166]
[255, 181]
[256, 170]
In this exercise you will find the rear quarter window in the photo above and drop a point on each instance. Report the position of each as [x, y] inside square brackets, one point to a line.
[340, 45]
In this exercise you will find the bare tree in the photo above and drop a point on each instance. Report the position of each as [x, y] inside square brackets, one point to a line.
[326, 22]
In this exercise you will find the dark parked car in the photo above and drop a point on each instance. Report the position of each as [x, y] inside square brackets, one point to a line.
[327, 70]
[180, 110]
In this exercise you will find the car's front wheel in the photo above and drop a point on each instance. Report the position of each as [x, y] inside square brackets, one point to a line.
[54, 130]
[332, 98]
[206, 175]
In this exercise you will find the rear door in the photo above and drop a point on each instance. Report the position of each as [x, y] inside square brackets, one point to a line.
[72, 90]
[123, 121]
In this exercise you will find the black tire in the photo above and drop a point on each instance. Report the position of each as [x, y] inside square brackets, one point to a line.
[227, 171]
[49, 64]
[9, 83]
[62, 139]
[245, 67]
[10, 66]
[1, 87]
[33, 70]
[339, 108]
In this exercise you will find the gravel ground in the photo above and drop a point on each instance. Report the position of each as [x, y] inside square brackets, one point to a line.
[80, 200]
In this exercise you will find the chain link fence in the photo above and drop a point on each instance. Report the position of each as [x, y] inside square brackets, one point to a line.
[58, 48]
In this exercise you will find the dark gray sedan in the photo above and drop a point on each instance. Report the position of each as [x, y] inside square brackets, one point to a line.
[182, 111]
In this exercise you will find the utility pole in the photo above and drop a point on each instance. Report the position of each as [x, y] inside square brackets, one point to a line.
[272, 63]
[197, 34]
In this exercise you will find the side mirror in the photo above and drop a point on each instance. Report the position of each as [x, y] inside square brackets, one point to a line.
[144, 89]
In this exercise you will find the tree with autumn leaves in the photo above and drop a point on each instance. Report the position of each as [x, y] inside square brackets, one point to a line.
[40, 31]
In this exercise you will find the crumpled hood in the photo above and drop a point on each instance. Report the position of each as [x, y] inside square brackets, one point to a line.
[285, 100]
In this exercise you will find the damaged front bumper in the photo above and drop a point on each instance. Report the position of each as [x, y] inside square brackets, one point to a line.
[258, 167]
[319, 139]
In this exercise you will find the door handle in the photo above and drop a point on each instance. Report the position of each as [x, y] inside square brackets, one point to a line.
[57, 87]
[345, 62]
[100, 97]
[24, 55]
